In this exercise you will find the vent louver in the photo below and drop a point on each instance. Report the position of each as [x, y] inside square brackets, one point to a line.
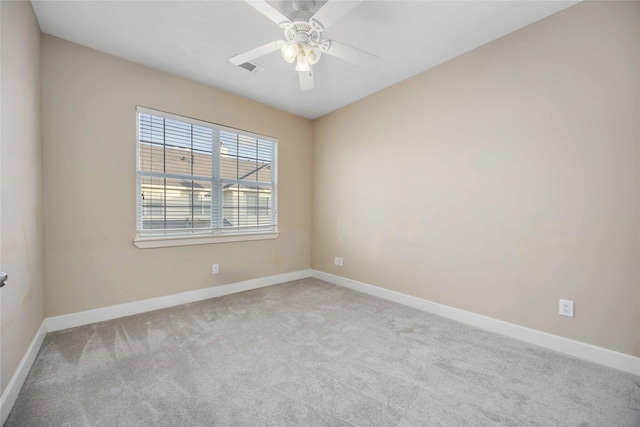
[251, 67]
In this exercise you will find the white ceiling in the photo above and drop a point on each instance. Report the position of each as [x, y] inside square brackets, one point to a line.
[195, 40]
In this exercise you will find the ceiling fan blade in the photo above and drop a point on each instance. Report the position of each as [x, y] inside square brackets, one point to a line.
[351, 54]
[306, 79]
[256, 53]
[330, 12]
[270, 12]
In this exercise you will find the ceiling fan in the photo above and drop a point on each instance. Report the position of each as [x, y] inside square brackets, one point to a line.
[303, 43]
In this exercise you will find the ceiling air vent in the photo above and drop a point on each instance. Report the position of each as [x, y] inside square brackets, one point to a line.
[251, 67]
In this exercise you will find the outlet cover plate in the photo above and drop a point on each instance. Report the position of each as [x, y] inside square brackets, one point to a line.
[566, 308]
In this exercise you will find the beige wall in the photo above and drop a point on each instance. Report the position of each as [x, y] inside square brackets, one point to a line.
[500, 181]
[22, 300]
[89, 142]
[638, 195]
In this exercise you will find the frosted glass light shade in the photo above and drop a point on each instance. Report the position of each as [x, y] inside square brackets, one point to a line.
[289, 52]
[302, 64]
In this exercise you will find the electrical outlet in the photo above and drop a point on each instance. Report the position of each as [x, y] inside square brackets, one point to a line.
[215, 269]
[338, 261]
[566, 308]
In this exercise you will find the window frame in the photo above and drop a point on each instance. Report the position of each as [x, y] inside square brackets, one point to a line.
[195, 236]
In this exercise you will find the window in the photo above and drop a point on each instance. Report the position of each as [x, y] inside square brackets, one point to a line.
[201, 180]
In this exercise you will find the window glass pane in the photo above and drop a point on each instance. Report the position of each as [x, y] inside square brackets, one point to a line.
[186, 204]
[264, 208]
[178, 160]
[151, 158]
[263, 173]
[228, 166]
[251, 201]
[255, 207]
[202, 139]
[177, 134]
[202, 164]
[231, 206]
[152, 203]
[248, 203]
[265, 151]
[151, 128]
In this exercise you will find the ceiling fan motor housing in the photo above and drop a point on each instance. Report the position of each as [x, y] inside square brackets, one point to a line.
[302, 32]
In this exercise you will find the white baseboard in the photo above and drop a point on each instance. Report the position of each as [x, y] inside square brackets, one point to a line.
[10, 393]
[81, 318]
[592, 353]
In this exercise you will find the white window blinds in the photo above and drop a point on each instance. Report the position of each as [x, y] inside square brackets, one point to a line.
[200, 178]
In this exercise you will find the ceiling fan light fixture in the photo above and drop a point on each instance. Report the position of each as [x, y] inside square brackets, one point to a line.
[303, 63]
[290, 51]
[312, 54]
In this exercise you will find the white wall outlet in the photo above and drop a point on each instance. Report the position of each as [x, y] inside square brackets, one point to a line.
[338, 261]
[566, 308]
[215, 269]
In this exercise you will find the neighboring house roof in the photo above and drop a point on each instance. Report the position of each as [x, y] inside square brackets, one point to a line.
[158, 158]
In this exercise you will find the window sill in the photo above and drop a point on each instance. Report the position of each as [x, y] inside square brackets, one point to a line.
[169, 241]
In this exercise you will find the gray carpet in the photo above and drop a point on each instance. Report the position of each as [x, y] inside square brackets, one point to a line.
[308, 353]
